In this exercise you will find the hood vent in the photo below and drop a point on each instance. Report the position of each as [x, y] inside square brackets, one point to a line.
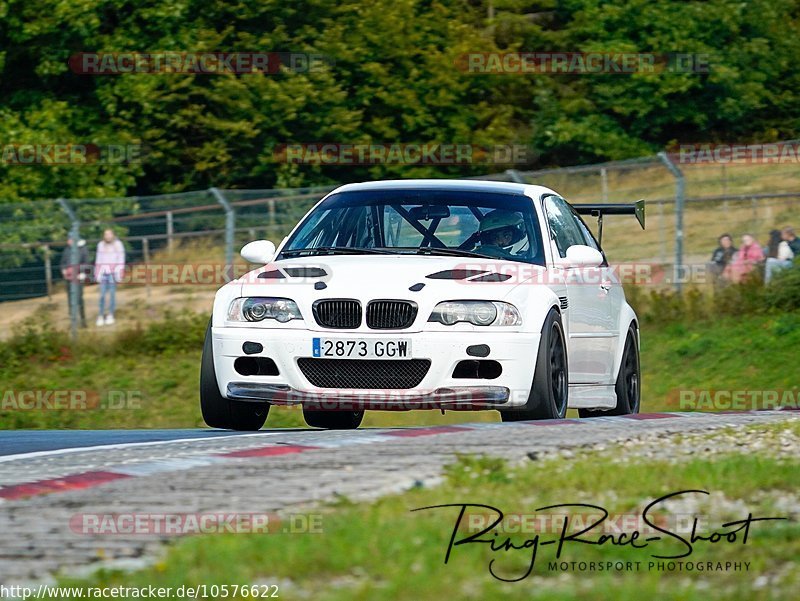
[271, 275]
[306, 272]
[492, 277]
[293, 272]
[455, 274]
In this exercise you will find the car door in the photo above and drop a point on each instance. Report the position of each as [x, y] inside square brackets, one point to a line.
[593, 299]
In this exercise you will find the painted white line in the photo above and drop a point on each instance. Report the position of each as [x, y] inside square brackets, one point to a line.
[127, 445]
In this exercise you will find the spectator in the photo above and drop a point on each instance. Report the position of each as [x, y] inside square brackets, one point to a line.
[774, 242]
[746, 258]
[793, 241]
[784, 254]
[109, 266]
[721, 257]
[72, 272]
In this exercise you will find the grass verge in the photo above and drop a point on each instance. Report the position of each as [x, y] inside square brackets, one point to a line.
[383, 550]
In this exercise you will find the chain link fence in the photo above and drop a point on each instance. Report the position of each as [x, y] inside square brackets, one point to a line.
[689, 204]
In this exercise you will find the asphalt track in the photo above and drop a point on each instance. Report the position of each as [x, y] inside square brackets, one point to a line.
[50, 479]
[14, 442]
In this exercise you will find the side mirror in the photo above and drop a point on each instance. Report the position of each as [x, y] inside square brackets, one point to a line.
[258, 251]
[583, 256]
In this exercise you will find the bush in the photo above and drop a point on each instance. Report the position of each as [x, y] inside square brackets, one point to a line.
[37, 339]
[784, 289]
[750, 297]
[176, 332]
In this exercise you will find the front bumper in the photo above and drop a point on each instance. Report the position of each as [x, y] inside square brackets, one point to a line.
[514, 351]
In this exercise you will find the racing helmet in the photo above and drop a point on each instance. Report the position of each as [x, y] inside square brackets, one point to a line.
[500, 219]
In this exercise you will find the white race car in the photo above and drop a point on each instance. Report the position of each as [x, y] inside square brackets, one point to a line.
[425, 294]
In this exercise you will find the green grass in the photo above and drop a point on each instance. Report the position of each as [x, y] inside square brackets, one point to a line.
[747, 353]
[156, 371]
[383, 550]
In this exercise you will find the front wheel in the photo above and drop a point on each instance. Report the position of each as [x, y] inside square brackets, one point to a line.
[333, 420]
[550, 388]
[218, 411]
[628, 381]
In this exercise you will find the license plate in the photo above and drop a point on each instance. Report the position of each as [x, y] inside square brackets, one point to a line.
[361, 348]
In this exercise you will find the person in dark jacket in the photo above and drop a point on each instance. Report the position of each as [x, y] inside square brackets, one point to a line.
[775, 240]
[75, 273]
[792, 240]
[722, 256]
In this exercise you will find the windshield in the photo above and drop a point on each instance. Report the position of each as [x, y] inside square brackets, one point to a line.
[436, 222]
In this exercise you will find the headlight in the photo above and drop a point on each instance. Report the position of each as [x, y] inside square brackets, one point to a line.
[479, 313]
[261, 308]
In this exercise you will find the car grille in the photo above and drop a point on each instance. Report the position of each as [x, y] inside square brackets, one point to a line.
[364, 373]
[339, 313]
[390, 314]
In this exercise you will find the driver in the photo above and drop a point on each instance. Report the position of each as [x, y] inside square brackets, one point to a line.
[499, 229]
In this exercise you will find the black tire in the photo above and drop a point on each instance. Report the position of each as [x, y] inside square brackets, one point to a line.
[218, 411]
[333, 420]
[550, 388]
[628, 386]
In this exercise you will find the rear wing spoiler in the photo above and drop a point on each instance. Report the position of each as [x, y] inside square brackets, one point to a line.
[600, 210]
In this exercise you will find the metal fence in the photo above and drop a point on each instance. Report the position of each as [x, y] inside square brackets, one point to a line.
[689, 206]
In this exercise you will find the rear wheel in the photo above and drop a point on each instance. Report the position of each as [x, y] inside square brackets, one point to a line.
[333, 420]
[550, 388]
[218, 411]
[628, 389]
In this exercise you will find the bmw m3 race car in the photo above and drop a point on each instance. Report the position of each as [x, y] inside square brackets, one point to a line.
[426, 294]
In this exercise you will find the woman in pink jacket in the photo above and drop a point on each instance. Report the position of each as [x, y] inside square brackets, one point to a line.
[109, 267]
[746, 258]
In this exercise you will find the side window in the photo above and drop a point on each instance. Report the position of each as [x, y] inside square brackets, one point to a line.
[586, 232]
[563, 225]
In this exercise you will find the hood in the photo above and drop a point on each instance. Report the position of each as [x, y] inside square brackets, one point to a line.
[367, 277]
[424, 280]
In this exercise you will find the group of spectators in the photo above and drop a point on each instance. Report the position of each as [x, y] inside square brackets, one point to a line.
[731, 264]
[107, 271]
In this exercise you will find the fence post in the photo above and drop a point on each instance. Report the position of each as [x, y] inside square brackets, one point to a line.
[515, 176]
[680, 185]
[230, 226]
[48, 271]
[74, 260]
[662, 236]
[146, 256]
[170, 233]
[604, 183]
